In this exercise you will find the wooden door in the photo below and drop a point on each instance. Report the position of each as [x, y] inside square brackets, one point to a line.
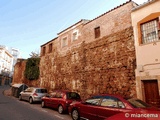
[151, 92]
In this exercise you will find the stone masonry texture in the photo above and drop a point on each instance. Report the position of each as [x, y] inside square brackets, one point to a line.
[103, 66]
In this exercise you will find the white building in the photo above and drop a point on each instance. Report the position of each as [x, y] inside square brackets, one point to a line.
[8, 58]
[16, 54]
[6, 61]
[146, 25]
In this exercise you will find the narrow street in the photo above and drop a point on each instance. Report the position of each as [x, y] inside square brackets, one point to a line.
[13, 109]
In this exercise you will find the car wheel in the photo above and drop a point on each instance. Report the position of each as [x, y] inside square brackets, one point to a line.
[75, 114]
[60, 109]
[43, 104]
[20, 97]
[30, 100]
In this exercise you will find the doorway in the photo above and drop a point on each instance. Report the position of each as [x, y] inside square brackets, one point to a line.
[151, 92]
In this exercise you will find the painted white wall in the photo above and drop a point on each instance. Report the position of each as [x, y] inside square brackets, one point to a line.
[147, 55]
[6, 60]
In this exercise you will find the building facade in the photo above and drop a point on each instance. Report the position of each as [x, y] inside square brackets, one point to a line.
[6, 61]
[92, 57]
[146, 25]
[16, 55]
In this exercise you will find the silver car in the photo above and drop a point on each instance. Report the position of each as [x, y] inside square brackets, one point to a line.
[33, 94]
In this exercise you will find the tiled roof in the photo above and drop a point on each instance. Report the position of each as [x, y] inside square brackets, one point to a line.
[109, 11]
[73, 25]
[49, 41]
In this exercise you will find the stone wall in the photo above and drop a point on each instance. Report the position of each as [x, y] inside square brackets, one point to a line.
[18, 76]
[103, 66]
[110, 64]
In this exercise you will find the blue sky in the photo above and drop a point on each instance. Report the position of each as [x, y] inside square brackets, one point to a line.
[27, 24]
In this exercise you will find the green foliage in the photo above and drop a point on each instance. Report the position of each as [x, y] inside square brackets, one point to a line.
[32, 69]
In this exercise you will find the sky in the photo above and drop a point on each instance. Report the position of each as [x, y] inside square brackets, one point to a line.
[28, 24]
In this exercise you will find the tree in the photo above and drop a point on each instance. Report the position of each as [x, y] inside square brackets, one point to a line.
[35, 54]
[32, 69]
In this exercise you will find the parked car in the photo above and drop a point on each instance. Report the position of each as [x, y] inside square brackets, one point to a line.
[100, 107]
[33, 94]
[60, 100]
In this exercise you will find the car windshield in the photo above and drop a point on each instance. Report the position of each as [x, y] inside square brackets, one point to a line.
[41, 91]
[73, 95]
[136, 103]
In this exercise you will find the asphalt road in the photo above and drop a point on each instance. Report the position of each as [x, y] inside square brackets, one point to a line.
[13, 109]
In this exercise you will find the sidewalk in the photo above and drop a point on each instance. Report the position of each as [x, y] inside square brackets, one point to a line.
[7, 90]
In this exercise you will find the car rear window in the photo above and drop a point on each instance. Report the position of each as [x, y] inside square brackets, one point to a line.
[73, 95]
[41, 91]
[136, 103]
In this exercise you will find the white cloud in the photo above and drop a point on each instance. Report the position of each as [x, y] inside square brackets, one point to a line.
[140, 1]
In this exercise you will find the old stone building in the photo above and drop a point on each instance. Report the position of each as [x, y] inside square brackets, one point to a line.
[92, 57]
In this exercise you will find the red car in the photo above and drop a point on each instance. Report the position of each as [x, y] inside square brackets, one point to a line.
[103, 106]
[60, 100]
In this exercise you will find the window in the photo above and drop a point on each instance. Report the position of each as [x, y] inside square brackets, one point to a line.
[59, 95]
[109, 101]
[136, 103]
[73, 95]
[41, 90]
[64, 42]
[75, 36]
[29, 90]
[149, 31]
[50, 47]
[53, 94]
[94, 100]
[43, 50]
[97, 32]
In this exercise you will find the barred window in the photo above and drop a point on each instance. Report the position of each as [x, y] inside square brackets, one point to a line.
[150, 31]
